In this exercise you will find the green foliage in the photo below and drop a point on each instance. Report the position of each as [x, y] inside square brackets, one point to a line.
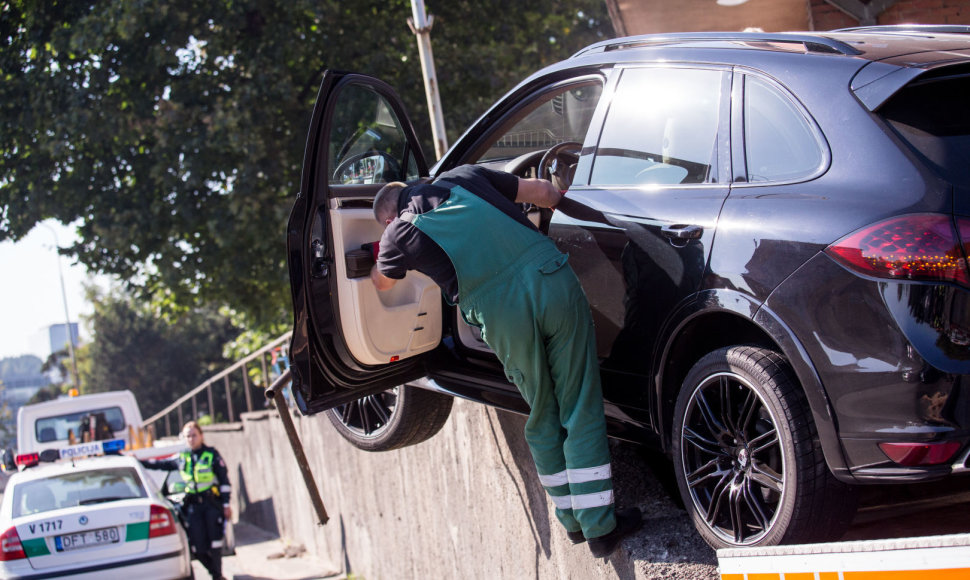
[174, 131]
[136, 350]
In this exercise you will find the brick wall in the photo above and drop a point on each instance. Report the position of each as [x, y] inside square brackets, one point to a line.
[828, 17]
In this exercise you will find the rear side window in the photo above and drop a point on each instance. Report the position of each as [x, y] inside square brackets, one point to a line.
[779, 142]
[933, 116]
[101, 423]
[78, 488]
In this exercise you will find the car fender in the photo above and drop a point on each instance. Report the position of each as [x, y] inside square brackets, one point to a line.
[761, 320]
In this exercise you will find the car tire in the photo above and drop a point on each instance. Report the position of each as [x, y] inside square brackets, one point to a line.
[747, 457]
[392, 419]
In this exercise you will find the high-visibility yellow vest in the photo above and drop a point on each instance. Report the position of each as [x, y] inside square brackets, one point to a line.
[197, 475]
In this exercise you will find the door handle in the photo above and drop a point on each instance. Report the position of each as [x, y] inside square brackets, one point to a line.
[319, 267]
[682, 232]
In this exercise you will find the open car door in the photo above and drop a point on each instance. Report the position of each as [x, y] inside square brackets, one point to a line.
[350, 340]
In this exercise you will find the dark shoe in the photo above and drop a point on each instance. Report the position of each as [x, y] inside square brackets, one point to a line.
[628, 521]
[576, 537]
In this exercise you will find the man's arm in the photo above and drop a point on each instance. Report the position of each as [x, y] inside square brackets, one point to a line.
[225, 489]
[537, 192]
[160, 464]
[381, 282]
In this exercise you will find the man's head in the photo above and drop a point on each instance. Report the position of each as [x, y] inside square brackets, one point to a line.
[385, 203]
[193, 435]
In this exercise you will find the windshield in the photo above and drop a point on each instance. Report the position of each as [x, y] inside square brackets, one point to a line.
[932, 115]
[78, 488]
[552, 118]
[98, 423]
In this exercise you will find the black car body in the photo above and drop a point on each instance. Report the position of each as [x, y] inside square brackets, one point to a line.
[772, 231]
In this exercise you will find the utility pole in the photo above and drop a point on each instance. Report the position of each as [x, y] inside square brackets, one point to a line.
[67, 317]
[421, 26]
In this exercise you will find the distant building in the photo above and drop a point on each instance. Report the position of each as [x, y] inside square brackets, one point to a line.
[58, 334]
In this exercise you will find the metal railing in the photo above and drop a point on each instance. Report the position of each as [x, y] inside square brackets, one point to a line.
[230, 399]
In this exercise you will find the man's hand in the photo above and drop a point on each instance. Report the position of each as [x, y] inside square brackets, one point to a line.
[227, 511]
[538, 192]
[381, 282]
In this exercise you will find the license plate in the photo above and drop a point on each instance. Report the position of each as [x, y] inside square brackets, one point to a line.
[87, 539]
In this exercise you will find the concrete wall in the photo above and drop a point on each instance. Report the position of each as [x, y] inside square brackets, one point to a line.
[465, 504]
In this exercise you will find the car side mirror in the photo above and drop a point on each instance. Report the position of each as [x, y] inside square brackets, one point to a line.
[8, 461]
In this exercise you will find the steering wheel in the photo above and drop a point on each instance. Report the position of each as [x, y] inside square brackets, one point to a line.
[559, 164]
[390, 168]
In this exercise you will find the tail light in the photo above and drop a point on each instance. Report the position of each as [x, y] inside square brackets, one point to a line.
[911, 247]
[160, 522]
[10, 546]
[911, 454]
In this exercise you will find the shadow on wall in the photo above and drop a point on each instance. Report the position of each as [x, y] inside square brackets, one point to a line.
[261, 514]
[511, 428]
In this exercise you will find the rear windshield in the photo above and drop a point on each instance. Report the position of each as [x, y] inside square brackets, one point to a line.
[932, 114]
[74, 489]
[100, 423]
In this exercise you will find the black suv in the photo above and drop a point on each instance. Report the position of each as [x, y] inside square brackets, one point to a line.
[772, 231]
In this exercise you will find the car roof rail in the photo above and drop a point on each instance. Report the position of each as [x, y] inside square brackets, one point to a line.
[918, 28]
[812, 43]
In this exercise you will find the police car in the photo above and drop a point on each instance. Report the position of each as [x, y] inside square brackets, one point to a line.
[95, 517]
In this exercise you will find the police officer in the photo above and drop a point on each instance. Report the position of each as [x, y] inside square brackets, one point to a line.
[206, 503]
[466, 233]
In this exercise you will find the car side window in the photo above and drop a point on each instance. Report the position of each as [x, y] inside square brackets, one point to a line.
[661, 128]
[780, 144]
[367, 142]
[552, 118]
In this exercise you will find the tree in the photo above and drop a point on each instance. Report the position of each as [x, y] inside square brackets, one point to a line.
[135, 349]
[174, 131]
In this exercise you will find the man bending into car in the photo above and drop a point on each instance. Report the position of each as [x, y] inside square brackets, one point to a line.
[466, 233]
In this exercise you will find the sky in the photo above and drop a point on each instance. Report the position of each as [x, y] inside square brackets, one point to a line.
[30, 291]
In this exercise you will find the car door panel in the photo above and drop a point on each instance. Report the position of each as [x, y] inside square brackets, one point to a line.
[641, 236]
[349, 340]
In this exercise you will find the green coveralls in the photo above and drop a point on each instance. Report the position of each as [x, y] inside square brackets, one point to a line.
[516, 286]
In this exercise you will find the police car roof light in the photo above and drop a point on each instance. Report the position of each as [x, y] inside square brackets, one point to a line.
[113, 447]
[27, 459]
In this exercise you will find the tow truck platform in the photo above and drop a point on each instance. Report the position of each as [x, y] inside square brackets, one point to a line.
[921, 558]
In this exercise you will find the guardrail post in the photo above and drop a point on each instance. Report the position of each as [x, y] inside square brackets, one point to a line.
[249, 396]
[262, 362]
[181, 422]
[228, 398]
[212, 407]
[195, 409]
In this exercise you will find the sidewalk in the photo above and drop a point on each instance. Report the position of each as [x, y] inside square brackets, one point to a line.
[263, 556]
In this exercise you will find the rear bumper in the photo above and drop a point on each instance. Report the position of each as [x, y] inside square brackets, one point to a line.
[894, 362]
[173, 564]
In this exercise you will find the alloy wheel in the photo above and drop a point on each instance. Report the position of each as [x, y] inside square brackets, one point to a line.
[368, 416]
[732, 458]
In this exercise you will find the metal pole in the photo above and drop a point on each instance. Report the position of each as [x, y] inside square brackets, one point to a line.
[275, 393]
[421, 27]
[67, 316]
